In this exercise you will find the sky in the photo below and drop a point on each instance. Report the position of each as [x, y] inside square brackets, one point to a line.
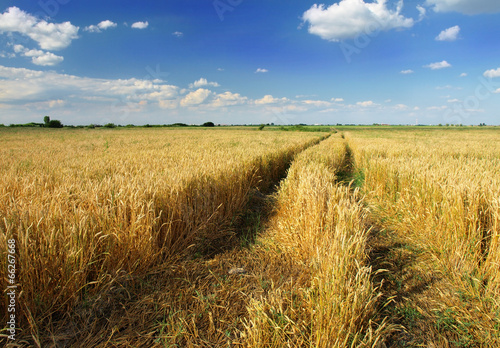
[250, 62]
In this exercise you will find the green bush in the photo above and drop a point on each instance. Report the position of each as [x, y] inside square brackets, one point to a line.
[55, 124]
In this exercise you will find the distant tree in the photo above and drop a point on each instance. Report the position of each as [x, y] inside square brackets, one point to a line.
[46, 120]
[208, 124]
[109, 125]
[261, 127]
[55, 124]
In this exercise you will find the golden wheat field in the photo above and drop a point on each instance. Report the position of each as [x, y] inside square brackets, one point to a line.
[362, 237]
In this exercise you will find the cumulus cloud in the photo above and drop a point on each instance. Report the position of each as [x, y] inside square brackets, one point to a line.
[203, 82]
[39, 57]
[140, 25]
[101, 26]
[463, 74]
[44, 58]
[195, 98]
[178, 34]
[465, 6]
[261, 70]
[450, 34]
[406, 72]
[492, 73]
[337, 100]
[350, 18]
[49, 36]
[438, 65]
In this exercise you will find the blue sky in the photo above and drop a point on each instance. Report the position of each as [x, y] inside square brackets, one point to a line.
[250, 62]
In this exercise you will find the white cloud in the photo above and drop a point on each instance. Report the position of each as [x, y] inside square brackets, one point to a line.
[261, 70]
[195, 98]
[92, 28]
[4, 54]
[337, 100]
[269, 99]
[365, 104]
[438, 65]
[39, 57]
[19, 48]
[406, 72]
[422, 12]
[178, 33]
[24, 85]
[49, 36]
[228, 99]
[168, 104]
[50, 104]
[453, 100]
[492, 73]
[44, 58]
[450, 34]
[401, 107]
[351, 18]
[101, 26]
[317, 103]
[106, 24]
[465, 6]
[140, 25]
[203, 82]
[463, 74]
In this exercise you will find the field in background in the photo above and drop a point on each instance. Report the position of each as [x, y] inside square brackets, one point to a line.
[376, 236]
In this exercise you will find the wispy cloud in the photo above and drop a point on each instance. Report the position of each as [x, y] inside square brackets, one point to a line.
[261, 70]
